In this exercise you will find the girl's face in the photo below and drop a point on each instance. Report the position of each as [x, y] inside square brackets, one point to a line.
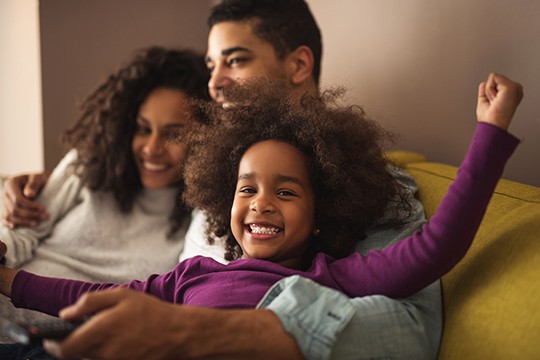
[272, 215]
[160, 119]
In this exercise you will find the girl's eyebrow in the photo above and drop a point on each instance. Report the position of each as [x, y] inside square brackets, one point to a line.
[279, 177]
[247, 176]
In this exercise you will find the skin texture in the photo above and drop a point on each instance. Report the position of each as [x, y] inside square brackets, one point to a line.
[160, 120]
[273, 195]
[235, 54]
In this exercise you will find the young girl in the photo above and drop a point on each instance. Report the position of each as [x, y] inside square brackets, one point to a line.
[284, 183]
[113, 200]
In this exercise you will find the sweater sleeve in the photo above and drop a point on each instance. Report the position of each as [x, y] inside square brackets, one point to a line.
[415, 262]
[50, 295]
[58, 196]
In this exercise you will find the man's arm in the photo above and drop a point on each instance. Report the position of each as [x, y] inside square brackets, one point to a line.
[328, 325]
[60, 195]
[20, 206]
[132, 325]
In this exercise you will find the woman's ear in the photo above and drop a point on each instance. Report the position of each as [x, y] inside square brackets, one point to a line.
[300, 63]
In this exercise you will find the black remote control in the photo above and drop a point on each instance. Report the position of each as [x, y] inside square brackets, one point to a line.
[35, 332]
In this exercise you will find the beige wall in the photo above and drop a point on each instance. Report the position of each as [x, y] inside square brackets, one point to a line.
[21, 135]
[85, 40]
[415, 65]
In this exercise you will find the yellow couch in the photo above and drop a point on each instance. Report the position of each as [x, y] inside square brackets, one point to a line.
[492, 297]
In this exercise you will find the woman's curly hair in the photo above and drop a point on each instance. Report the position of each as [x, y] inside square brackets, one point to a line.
[103, 133]
[349, 172]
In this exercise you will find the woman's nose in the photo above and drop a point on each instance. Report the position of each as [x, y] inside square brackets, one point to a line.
[154, 145]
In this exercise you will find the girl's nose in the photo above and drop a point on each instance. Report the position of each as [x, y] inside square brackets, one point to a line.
[262, 204]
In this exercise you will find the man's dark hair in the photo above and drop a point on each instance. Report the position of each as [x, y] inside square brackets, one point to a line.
[285, 24]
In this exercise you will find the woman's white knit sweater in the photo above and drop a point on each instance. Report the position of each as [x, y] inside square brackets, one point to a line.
[87, 237]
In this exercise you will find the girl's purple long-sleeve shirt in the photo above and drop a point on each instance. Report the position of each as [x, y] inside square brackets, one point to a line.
[397, 271]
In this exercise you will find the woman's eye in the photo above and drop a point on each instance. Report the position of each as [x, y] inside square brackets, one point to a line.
[141, 129]
[173, 135]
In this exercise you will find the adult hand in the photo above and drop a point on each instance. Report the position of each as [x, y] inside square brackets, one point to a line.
[132, 325]
[20, 209]
[498, 99]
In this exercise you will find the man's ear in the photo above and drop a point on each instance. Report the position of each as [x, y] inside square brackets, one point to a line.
[300, 65]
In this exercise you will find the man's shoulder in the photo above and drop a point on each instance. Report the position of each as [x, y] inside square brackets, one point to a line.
[385, 233]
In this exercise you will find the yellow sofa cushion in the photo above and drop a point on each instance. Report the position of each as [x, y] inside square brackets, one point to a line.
[492, 297]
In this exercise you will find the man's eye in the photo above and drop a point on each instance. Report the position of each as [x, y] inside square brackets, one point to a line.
[235, 61]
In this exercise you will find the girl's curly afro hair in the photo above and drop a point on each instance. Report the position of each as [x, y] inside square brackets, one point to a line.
[349, 172]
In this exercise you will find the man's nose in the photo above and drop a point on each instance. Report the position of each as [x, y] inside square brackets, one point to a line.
[219, 80]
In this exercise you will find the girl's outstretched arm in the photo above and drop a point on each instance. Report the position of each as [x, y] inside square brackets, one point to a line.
[417, 261]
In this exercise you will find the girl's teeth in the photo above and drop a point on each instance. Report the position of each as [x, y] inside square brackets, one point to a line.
[263, 230]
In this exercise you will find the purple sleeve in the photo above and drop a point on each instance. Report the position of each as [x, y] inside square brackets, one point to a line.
[415, 262]
[50, 295]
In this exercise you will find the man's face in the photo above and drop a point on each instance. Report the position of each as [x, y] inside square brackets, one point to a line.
[236, 54]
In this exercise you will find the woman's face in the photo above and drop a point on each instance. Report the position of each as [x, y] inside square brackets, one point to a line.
[160, 121]
[273, 211]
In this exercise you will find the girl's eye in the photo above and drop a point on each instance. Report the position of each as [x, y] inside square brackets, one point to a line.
[285, 193]
[247, 190]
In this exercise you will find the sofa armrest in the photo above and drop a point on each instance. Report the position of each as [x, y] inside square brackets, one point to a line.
[491, 298]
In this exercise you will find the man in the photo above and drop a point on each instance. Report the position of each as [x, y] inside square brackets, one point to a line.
[274, 39]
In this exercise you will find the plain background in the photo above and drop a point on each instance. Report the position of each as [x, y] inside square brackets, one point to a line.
[414, 65]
